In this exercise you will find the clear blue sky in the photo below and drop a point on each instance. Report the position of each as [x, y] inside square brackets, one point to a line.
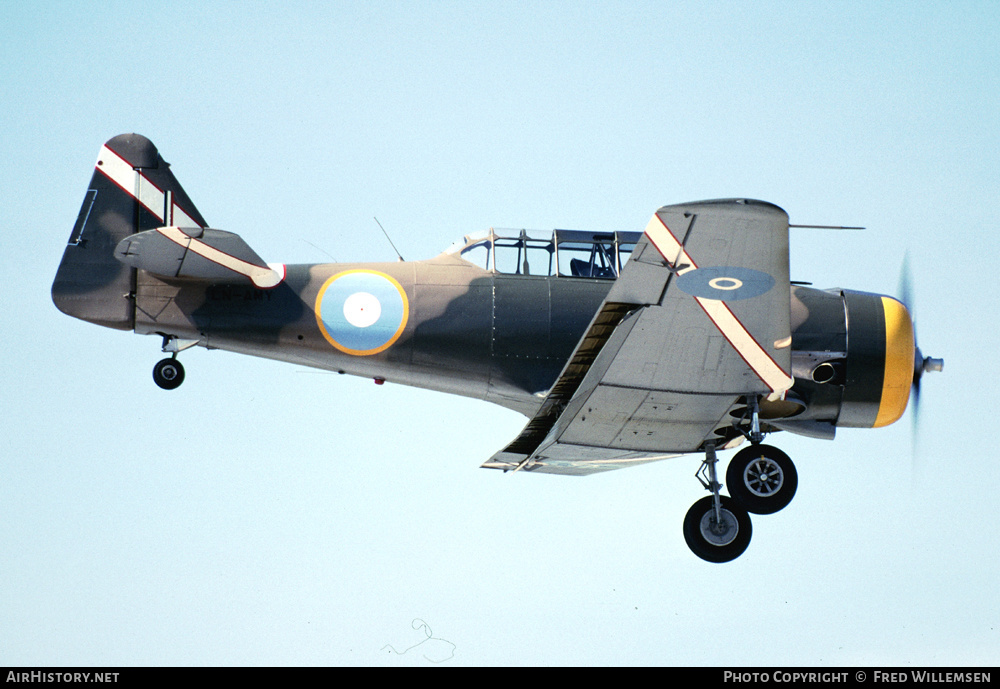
[268, 514]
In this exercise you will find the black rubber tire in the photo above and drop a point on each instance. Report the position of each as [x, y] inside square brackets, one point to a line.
[762, 479]
[168, 374]
[728, 546]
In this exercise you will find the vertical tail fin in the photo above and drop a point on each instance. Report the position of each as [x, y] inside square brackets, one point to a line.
[132, 190]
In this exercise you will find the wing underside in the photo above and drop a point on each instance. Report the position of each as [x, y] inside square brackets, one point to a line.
[697, 322]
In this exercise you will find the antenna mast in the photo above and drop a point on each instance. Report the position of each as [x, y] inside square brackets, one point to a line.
[390, 240]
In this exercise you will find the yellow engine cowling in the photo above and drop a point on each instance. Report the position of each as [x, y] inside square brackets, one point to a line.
[879, 363]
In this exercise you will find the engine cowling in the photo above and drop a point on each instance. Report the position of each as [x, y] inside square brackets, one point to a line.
[852, 358]
[880, 356]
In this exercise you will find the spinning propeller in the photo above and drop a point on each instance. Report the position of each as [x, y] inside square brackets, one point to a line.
[921, 364]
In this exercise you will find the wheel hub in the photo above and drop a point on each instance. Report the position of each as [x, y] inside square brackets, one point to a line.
[763, 477]
[719, 532]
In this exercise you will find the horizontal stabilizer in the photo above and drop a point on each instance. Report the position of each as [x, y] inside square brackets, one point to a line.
[198, 253]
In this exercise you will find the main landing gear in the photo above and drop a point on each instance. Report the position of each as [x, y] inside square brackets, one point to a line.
[716, 528]
[169, 373]
[761, 479]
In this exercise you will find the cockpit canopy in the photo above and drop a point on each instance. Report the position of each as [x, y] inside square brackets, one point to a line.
[569, 253]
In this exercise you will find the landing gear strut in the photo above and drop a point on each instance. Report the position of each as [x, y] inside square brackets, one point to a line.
[761, 480]
[716, 528]
[168, 373]
[760, 477]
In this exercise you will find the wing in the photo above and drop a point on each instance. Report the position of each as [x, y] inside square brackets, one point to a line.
[197, 253]
[698, 320]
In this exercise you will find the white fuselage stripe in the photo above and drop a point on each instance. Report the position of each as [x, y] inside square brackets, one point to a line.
[719, 312]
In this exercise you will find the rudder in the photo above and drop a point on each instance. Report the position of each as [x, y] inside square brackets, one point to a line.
[132, 190]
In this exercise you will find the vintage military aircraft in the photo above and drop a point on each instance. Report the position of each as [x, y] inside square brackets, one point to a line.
[621, 347]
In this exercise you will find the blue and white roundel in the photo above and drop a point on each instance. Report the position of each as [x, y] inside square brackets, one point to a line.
[725, 283]
[361, 311]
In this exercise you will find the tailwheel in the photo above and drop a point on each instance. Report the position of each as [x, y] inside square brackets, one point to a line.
[762, 479]
[717, 538]
[168, 373]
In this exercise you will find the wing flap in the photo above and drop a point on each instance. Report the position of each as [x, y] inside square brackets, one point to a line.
[197, 253]
[646, 420]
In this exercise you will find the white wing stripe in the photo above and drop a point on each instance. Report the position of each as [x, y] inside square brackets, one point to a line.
[718, 311]
[744, 344]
